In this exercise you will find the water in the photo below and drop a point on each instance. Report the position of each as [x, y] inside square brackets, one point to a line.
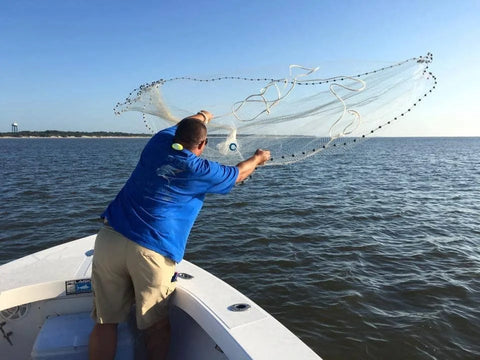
[367, 254]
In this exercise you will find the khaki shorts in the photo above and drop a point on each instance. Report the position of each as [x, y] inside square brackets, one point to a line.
[124, 273]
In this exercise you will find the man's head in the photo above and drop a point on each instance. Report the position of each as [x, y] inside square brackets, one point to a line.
[192, 134]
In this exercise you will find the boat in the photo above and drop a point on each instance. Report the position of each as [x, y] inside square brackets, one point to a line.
[46, 299]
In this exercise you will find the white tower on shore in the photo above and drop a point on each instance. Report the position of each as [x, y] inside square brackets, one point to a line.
[14, 127]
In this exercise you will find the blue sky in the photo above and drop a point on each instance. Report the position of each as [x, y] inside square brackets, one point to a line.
[65, 64]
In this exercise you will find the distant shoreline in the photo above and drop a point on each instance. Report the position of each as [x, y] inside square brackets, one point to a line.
[56, 134]
[74, 137]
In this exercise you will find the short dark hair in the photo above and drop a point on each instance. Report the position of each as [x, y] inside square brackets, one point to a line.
[190, 132]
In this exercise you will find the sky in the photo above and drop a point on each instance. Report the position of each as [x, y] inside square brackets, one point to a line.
[65, 64]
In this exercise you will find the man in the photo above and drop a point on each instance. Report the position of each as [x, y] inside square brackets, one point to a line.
[146, 230]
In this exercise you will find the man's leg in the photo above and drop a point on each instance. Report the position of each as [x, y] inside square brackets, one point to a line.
[157, 340]
[103, 342]
[112, 292]
[152, 275]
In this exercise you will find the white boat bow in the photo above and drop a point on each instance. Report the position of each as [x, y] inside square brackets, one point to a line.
[45, 299]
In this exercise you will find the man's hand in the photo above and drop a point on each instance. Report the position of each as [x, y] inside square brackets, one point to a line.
[263, 156]
[246, 167]
[204, 116]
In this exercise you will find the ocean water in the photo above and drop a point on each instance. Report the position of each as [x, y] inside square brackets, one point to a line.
[371, 253]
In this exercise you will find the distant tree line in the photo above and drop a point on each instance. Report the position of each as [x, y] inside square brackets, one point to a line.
[57, 133]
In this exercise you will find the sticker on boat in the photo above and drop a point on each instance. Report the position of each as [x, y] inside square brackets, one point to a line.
[79, 286]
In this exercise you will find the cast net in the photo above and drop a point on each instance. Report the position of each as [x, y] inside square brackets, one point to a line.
[295, 116]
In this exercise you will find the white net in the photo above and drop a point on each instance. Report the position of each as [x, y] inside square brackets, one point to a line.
[295, 116]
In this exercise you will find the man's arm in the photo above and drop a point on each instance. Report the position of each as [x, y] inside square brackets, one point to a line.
[247, 167]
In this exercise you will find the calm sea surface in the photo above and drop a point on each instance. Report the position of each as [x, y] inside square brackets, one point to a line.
[371, 253]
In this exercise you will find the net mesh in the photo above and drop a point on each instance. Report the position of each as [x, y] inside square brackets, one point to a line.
[295, 116]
